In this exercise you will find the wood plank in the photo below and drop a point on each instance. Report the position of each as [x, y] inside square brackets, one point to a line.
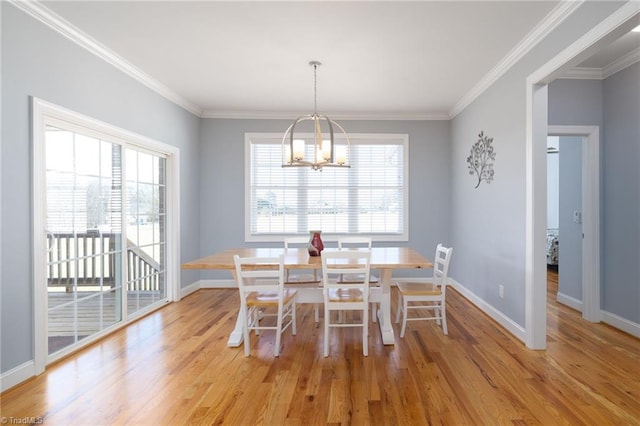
[173, 367]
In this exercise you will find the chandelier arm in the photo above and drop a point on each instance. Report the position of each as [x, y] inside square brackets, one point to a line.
[331, 139]
[318, 154]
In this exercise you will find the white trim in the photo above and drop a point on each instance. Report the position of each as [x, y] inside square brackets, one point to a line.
[587, 73]
[569, 301]
[173, 267]
[207, 284]
[610, 29]
[289, 115]
[190, 289]
[17, 375]
[535, 223]
[563, 10]
[621, 323]
[512, 327]
[615, 25]
[46, 16]
[590, 215]
[622, 63]
[43, 14]
[39, 220]
[583, 73]
[218, 284]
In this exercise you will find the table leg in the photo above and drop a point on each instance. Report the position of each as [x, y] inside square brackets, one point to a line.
[236, 337]
[384, 313]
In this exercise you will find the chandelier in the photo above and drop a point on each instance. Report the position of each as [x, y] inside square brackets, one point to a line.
[329, 152]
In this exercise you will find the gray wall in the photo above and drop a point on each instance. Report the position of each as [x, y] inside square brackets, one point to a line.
[621, 194]
[36, 61]
[614, 105]
[222, 177]
[488, 223]
[570, 233]
[553, 180]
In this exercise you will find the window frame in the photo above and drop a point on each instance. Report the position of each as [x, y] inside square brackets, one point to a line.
[45, 113]
[355, 138]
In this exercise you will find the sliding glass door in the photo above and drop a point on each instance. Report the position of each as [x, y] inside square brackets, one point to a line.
[146, 229]
[106, 224]
[84, 235]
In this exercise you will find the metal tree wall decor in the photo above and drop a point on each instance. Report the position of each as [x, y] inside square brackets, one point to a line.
[480, 162]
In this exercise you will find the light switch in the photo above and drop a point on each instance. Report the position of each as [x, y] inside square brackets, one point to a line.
[577, 217]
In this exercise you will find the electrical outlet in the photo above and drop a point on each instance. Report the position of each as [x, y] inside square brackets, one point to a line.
[501, 291]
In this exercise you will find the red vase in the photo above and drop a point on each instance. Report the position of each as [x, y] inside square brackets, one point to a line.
[315, 243]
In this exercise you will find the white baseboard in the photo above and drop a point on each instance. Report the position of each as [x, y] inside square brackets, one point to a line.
[17, 375]
[218, 284]
[621, 323]
[192, 288]
[571, 302]
[512, 327]
[518, 331]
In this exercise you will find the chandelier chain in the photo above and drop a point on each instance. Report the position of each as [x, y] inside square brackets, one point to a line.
[315, 88]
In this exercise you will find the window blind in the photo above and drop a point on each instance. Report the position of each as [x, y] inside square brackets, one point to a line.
[368, 198]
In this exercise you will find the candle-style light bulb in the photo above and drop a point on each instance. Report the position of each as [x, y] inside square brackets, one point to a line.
[298, 149]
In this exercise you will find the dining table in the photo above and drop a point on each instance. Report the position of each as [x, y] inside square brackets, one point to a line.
[383, 259]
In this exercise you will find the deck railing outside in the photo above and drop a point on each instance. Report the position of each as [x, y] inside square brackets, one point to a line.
[90, 259]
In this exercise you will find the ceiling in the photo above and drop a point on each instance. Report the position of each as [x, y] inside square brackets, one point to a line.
[417, 59]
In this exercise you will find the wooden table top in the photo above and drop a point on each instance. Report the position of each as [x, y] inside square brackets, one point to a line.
[298, 258]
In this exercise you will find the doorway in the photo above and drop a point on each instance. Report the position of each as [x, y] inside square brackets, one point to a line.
[105, 247]
[578, 222]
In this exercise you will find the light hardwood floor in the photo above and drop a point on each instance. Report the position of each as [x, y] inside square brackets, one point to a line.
[173, 367]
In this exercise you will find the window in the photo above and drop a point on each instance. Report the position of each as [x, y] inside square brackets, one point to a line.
[368, 198]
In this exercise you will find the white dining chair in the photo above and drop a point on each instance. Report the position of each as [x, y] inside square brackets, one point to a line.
[302, 277]
[346, 296]
[262, 295]
[355, 241]
[427, 294]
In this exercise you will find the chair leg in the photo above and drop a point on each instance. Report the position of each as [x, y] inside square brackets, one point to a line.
[276, 347]
[293, 319]
[374, 309]
[365, 332]
[404, 316]
[245, 331]
[443, 313]
[255, 319]
[315, 313]
[398, 307]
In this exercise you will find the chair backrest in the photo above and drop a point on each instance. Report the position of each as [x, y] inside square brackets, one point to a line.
[338, 262]
[441, 265]
[354, 241]
[260, 274]
[296, 242]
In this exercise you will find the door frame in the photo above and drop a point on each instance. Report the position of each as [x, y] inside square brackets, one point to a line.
[40, 110]
[611, 28]
[590, 137]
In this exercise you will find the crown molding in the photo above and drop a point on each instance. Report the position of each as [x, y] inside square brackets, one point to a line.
[267, 115]
[43, 14]
[587, 73]
[542, 30]
[622, 63]
[583, 73]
